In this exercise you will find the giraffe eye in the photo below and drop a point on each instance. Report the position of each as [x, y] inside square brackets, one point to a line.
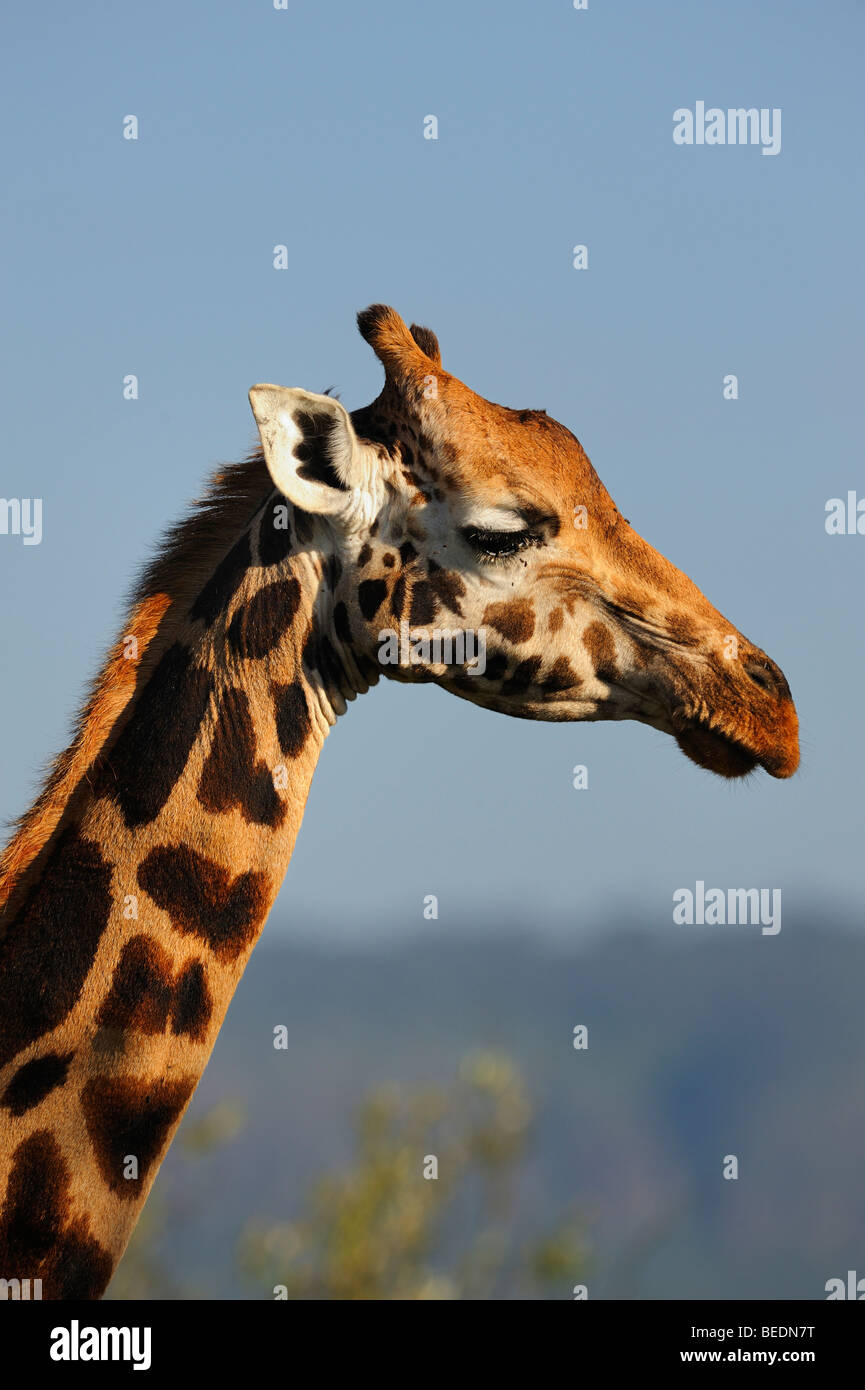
[498, 545]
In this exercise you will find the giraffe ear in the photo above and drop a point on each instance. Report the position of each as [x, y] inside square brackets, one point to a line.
[310, 447]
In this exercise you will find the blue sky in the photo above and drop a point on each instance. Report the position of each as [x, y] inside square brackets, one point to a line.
[305, 127]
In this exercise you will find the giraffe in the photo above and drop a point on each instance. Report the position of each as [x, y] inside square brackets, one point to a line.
[138, 883]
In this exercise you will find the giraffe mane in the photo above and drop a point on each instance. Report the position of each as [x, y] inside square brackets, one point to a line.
[187, 556]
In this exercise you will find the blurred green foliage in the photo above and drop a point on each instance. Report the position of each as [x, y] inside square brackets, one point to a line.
[427, 1209]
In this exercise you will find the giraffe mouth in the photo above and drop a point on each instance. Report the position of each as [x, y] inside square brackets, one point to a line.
[716, 751]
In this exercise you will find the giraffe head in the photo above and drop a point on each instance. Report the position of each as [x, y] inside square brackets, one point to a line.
[445, 514]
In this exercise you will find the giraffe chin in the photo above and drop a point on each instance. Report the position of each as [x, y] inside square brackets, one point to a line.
[714, 751]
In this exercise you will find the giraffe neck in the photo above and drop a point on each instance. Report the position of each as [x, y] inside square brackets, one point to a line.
[120, 957]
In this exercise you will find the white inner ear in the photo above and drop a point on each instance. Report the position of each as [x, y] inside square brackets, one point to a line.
[275, 408]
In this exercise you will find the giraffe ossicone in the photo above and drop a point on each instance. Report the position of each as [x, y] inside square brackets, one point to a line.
[183, 789]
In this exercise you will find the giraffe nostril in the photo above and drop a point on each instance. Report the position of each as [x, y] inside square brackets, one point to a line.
[764, 675]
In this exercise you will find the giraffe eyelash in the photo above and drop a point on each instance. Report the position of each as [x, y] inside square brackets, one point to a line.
[499, 545]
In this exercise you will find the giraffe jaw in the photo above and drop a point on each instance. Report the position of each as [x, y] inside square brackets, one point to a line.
[716, 751]
[772, 744]
[710, 748]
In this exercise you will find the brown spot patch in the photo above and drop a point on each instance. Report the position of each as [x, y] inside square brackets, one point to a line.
[35, 1080]
[451, 454]
[601, 648]
[50, 945]
[561, 676]
[371, 594]
[144, 993]
[424, 604]
[293, 723]
[158, 737]
[223, 583]
[38, 1235]
[514, 620]
[398, 597]
[192, 1005]
[524, 676]
[202, 899]
[260, 624]
[232, 776]
[555, 620]
[643, 654]
[127, 1116]
[141, 991]
[448, 586]
[497, 665]
[274, 535]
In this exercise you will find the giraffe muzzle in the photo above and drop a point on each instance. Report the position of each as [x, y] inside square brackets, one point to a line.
[766, 736]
